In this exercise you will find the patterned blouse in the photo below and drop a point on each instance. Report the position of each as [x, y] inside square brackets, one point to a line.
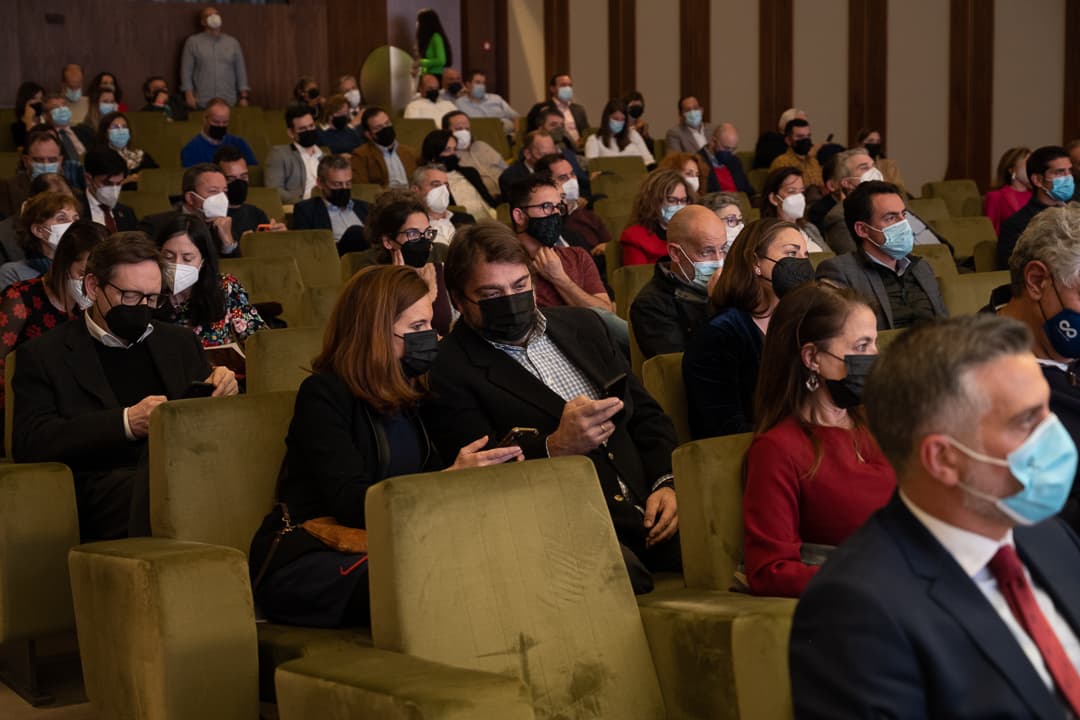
[25, 313]
[240, 321]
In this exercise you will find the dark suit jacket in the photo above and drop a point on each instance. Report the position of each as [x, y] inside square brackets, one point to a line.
[66, 411]
[893, 627]
[720, 370]
[368, 165]
[13, 192]
[1013, 227]
[123, 215]
[854, 270]
[311, 214]
[479, 390]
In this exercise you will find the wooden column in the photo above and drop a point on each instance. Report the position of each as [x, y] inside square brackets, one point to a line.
[971, 90]
[483, 42]
[694, 76]
[775, 61]
[622, 41]
[867, 71]
[556, 37]
[1071, 126]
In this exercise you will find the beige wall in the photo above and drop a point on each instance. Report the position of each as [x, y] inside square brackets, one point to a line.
[525, 54]
[734, 66]
[819, 60]
[657, 63]
[589, 55]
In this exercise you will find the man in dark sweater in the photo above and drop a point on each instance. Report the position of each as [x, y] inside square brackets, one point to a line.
[245, 216]
[84, 391]
[1052, 185]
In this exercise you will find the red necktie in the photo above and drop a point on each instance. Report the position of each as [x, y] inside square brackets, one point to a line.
[1013, 584]
[110, 221]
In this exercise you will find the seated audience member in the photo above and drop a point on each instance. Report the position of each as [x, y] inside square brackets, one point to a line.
[58, 119]
[784, 196]
[306, 92]
[382, 160]
[871, 140]
[616, 138]
[291, 169]
[476, 101]
[832, 173]
[1049, 172]
[337, 130]
[663, 194]
[427, 104]
[551, 121]
[690, 165]
[850, 169]
[945, 603]
[71, 90]
[205, 195]
[106, 81]
[452, 86]
[508, 365]
[11, 232]
[467, 189]
[399, 234]
[813, 473]
[675, 301]
[535, 145]
[347, 86]
[105, 171]
[43, 221]
[245, 216]
[575, 121]
[721, 361]
[30, 308]
[215, 133]
[335, 208]
[368, 382]
[430, 183]
[102, 103]
[1012, 189]
[727, 208]
[159, 99]
[800, 153]
[727, 173]
[635, 111]
[581, 227]
[883, 269]
[41, 154]
[1043, 294]
[213, 304]
[692, 132]
[84, 392]
[114, 133]
[475, 153]
[29, 111]
[771, 145]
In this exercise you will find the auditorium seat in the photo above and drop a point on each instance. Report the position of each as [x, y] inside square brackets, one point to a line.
[144, 203]
[746, 157]
[351, 262]
[637, 360]
[271, 279]
[280, 359]
[623, 166]
[939, 257]
[659, 148]
[10, 162]
[274, 130]
[627, 282]
[315, 253]
[929, 209]
[885, 338]
[166, 181]
[971, 237]
[7, 142]
[490, 130]
[662, 377]
[968, 293]
[961, 196]
[817, 257]
[367, 191]
[9, 403]
[268, 200]
[412, 131]
[618, 187]
[757, 178]
[318, 304]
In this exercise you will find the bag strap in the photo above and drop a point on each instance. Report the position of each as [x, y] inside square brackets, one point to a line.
[286, 528]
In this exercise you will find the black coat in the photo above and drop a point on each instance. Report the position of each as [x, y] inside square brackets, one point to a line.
[311, 214]
[720, 369]
[123, 215]
[666, 312]
[1013, 227]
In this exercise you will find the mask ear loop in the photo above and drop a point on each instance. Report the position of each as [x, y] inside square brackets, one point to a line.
[687, 280]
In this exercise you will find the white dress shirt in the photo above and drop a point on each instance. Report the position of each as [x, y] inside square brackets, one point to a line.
[310, 157]
[421, 107]
[341, 219]
[443, 227]
[394, 167]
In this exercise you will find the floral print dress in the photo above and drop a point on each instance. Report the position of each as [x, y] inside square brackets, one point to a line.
[25, 313]
[241, 318]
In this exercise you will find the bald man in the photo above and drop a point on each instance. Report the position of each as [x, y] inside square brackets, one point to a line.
[676, 300]
[728, 173]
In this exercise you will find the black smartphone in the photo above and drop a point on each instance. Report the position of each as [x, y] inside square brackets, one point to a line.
[198, 390]
[518, 435]
[616, 388]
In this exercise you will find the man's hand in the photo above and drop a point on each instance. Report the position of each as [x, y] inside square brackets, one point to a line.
[138, 415]
[276, 226]
[661, 516]
[584, 425]
[599, 249]
[224, 381]
[189, 100]
[472, 456]
[549, 265]
[242, 102]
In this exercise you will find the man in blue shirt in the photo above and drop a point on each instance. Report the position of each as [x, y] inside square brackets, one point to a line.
[478, 102]
[215, 134]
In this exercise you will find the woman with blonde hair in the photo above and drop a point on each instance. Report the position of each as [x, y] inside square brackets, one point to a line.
[664, 193]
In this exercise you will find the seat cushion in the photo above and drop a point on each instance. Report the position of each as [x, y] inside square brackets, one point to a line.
[281, 643]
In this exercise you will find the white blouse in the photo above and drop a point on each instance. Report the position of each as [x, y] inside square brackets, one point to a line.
[594, 148]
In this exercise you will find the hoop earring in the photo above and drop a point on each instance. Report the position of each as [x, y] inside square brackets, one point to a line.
[813, 382]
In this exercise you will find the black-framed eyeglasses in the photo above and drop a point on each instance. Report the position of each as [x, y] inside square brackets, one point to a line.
[549, 208]
[412, 234]
[134, 297]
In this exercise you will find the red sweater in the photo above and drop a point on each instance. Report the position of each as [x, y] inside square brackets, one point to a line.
[999, 204]
[782, 509]
[641, 246]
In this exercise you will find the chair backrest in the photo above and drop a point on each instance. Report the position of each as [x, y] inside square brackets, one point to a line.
[319, 303]
[710, 479]
[490, 130]
[757, 178]
[7, 142]
[214, 464]
[314, 251]
[9, 403]
[412, 131]
[271, 279]
[535, 561]
[367, 191]
[967, 294]
[817, 257]
[746, 158]
[618, 187]
[280, 359]
[168, 181]
[929, 208]
[621, 165]
[268, 200]
[939, 257]
[662, 377]
[627, 282]
[637, 359]
[886, 337]
[353, 262]
[143, 202]
[962, 196]
[9, 161]
[274, 130]
[971, 237]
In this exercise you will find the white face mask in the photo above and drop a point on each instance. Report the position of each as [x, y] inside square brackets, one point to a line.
[180, 277]
[214, 22]
[733, 232]
[871, 174]
[693, 182]
[56, 232]
[464, 139]
[438, 199]
[793, 206]
[78, 294]
[109, 195]
[215, 206]
[571, 190]
[353, 96]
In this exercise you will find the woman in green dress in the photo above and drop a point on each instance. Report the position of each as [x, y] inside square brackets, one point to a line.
[432, 44]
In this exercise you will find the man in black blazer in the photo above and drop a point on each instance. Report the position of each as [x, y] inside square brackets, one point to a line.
[105, 171]
[882, 268]
[84, 391]
[505, 365]
[334, 208]
[912, 616]
[535, 145]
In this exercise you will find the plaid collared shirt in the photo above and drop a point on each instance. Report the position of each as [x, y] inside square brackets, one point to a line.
[543, 359]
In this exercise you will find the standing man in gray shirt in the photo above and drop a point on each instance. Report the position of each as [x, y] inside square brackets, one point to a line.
[212, 65]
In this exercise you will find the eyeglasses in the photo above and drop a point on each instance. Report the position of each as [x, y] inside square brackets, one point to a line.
[412, 235]
[732, 220]
[672, 200]
[549, 208]
[134, 297]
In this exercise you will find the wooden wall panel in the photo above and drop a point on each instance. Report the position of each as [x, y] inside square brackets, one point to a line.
[353, 30]
[971, 89]
[483, 41]
[556, 37]
[867, 66]
[622, 47]
[694, 66]
[775, 64]
[1071, 124]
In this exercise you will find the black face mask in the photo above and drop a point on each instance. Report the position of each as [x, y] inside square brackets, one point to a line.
[873, 150]
[789, 273]
[848, 392]
[307, 138]
[450, 162]
[432, 95]
[36, 107]
[545, 230]
[217, 132]
[454, 88]
[635, 111]
[507, 318]
[128, 322]
[313, 93]
[421, 349]
[236, 191]
[386, 136]
[802, 147]
[416, 253]
[340, 121]
[339, 196]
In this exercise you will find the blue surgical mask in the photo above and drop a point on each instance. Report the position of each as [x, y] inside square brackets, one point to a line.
[668, 211]
[60, 115]
[692, 117]
[106, 107]
[899, 239]
[1044, 464]
[119, 137]
[1063, 330]
[1063, 188]
[703, 270]
[478, 91]
[42, 168]
[616, 126]
[565, 93]
[73, 95]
